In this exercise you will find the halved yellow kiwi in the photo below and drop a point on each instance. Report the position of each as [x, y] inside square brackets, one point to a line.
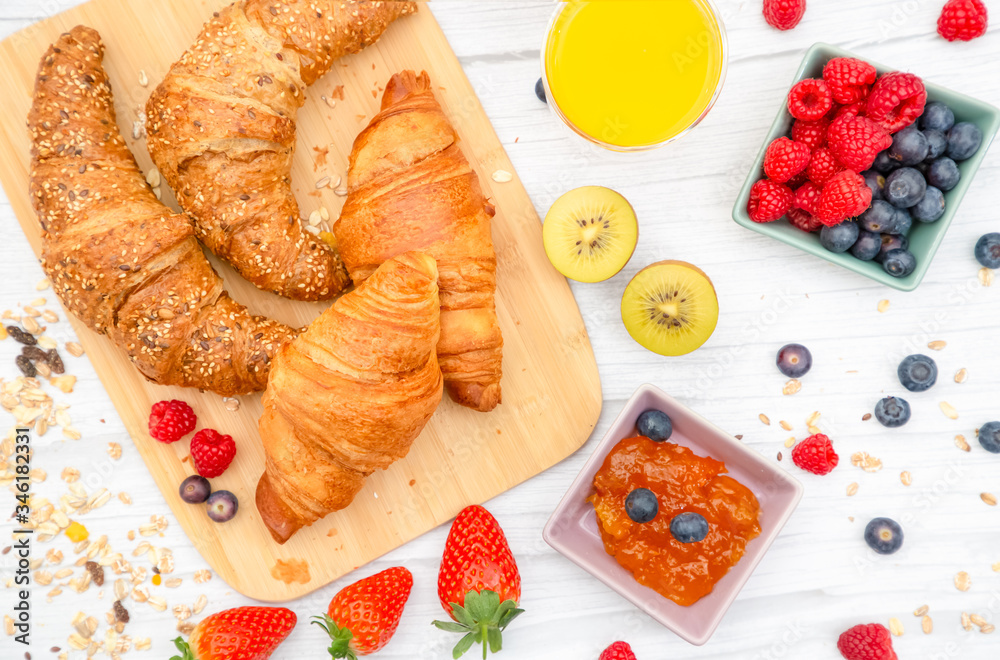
[670, 307]
[590, 233]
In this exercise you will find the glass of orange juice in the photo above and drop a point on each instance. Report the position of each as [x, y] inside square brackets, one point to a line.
[631, 75]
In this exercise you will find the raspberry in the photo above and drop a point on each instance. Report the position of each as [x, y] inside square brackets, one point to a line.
[618, 651]
[856, 109]
[784, 159]
[815, 454]
[844, 196]
[212, 452]
[962, 20]
[809, 99]
[769, 201]
[797, 180]
[810, 133]
[784, 14]
[169, 421]
[822, 166]
[849, 79]
[896, 100]
[856, 141]
[867, 642]
[804, 220]
[807, 196]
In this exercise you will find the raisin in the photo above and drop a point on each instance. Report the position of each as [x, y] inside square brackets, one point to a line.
[121, 613]
[55, 361]
[21, 336]
[26, 366]
[34, 353]
[96, 572]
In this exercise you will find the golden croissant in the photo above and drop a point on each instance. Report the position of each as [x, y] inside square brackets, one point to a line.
[350, 394]
[119, 260]
[411, 188]
[221, 129]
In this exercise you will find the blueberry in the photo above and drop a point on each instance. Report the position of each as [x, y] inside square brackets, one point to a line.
[899, 263]
[689, 527]
[891, 242]
[641, 505]
[880, 218]
[989, 437]
[875, 181]
[904, 187]
[540, 91]
[943, 173]
[937, 116]
[883, 163]
[937, 143]
[917, 373]
[655, 425]
[988, 250]
[195, 489]
[884, 536]
[931, 207]
[222, 506]
[892, 412]
[909, 146]
[868, 245]
[964, 139]
[794, 360]
[904, 221]
[839, 238]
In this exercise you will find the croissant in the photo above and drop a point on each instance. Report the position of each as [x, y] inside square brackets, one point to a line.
[350, 394]
[221, 130]
[411, 188]
[119, 260]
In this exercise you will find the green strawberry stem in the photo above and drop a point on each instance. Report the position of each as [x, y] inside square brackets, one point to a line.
[185, 650]
[481, 621]
[341, 646]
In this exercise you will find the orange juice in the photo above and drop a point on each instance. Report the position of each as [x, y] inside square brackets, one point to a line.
[633, 74]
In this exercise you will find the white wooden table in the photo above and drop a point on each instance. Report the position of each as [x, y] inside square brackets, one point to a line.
[819, 577]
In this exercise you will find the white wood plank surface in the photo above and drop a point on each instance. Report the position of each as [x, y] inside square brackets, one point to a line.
[819, 577]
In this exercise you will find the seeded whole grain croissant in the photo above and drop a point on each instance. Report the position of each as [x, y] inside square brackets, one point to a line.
[411, 188]
[221, 130]
[350, 394]
[119, 260]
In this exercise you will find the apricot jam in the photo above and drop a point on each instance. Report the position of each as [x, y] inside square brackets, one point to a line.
[683, 482]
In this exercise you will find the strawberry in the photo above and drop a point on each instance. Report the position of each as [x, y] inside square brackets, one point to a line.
[479, 584]
[243, 633]
[363, 617]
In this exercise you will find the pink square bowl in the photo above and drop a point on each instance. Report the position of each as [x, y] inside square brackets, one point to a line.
[572, 530]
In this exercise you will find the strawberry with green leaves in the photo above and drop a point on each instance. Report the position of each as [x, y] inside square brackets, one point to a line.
[363, 616]
[479, 584]
[243, 633]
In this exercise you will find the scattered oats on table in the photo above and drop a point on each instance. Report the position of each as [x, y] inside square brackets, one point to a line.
[961, 443]
[961, 375]
[502, 176]
[764, 419]
[896, 627]
[852, 489]
[963, 582]
[791, 387]
[989, 498]
[922, 610]
[948, 410]
[927, 625]
[866, 461]
[790, 442]
[785, 425]
[985, 276]
[906, 478]
[883, 305]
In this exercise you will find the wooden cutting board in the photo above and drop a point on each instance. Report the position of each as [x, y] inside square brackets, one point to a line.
[552, 393]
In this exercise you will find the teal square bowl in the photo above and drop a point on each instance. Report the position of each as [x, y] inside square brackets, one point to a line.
[924, 238]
